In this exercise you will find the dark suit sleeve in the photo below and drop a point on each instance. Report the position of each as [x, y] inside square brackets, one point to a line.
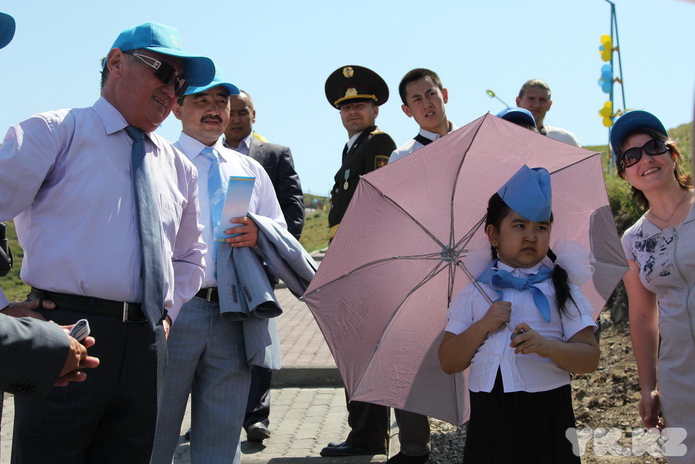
[379, 149]
[32, 355]
[288, 189]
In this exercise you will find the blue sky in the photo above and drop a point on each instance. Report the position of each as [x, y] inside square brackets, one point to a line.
[282, 51]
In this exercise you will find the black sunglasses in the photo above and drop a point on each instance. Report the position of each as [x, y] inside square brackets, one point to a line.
[631, 156]
[164, 72]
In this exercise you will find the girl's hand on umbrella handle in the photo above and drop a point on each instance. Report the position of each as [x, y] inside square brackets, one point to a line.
[527, 341]
[497, 315]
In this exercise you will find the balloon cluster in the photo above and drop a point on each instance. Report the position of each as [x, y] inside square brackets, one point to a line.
[606, 80]
[606, 47]
[607, 113]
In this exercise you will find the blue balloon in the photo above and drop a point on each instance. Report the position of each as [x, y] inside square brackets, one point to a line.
[607, 86]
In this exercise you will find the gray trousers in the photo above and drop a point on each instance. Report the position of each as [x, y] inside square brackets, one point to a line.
[207, 359]
[413, 433]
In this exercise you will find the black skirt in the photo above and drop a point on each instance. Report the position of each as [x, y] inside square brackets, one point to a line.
[520, 427]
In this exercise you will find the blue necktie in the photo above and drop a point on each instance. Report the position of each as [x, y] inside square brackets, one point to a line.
[503, 279]
[152, 271]
[216, 190]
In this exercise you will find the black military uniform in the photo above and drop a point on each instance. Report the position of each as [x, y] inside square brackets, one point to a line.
[369, 423]
[372, 148]
[370, 151]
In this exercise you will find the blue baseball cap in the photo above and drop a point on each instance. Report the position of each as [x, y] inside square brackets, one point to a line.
[517, 115]
[636, 119]
[529, 194]
[160, 38]
[7, 27]
[217, 80]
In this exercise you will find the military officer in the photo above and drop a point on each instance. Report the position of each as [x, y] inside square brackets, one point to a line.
[357, 92]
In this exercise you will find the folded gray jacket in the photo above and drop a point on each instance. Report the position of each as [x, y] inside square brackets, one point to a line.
[245, 293]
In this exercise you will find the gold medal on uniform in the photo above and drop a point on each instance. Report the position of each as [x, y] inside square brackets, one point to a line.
[347, 176]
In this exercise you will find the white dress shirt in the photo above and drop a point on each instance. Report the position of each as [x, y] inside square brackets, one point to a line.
[413, 145]
[562, 135]
[263, 200]
[244, 145]
[530, 372]
[66, 176]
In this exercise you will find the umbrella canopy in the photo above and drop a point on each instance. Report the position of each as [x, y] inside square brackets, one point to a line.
[398, 259]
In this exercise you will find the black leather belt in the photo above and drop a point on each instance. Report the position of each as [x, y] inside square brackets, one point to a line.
[129, 312]
[209, 294]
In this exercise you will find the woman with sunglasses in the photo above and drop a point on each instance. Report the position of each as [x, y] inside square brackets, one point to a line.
[660, 248]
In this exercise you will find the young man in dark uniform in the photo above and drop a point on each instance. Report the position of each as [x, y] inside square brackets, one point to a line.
[358, 92]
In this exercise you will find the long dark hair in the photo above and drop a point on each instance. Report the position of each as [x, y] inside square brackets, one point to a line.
[497, 210]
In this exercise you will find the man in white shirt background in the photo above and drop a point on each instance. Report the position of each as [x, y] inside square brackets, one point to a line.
[424, 99]
[535, 97]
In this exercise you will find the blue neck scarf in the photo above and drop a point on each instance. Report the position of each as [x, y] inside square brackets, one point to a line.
[499, 278]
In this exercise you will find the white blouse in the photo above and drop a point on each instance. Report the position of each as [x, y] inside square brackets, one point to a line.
[531, 372]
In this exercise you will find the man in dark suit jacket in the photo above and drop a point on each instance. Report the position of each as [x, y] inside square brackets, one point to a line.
[357, 92]
[35, 355]
[276, 159]
[278, 163]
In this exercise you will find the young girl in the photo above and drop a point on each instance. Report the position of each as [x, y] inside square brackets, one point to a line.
[521, 404]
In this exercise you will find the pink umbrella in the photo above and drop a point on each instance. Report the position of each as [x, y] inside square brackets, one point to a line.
[401, 252]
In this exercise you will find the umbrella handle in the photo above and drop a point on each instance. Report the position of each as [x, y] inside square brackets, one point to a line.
[514, 334]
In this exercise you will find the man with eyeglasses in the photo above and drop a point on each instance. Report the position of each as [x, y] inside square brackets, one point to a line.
[106, 211]
[357, 93]
[208, 349]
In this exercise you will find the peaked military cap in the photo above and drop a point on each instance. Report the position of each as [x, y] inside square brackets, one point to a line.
[355, 83]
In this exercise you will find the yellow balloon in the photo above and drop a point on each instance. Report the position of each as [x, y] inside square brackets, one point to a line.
[609, 105]
[605, 38]
[608, 122]
[606, 55]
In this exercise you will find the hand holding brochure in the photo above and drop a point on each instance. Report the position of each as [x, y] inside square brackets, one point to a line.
[236, 204]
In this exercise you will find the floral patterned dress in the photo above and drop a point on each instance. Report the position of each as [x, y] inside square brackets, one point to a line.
[666, 260]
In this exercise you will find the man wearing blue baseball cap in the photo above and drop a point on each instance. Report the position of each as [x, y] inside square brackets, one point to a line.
[7, 27]
[208, 350]
[519, 116]
[106, 211]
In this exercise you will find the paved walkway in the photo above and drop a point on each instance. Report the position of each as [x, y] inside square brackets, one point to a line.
[307, 406]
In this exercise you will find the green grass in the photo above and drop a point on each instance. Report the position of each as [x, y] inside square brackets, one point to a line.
[12, 285]
[315, 232]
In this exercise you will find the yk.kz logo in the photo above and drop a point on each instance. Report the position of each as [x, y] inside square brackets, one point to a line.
[637, 442]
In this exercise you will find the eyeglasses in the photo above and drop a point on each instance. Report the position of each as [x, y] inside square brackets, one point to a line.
[631, 156]
[164, 72]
